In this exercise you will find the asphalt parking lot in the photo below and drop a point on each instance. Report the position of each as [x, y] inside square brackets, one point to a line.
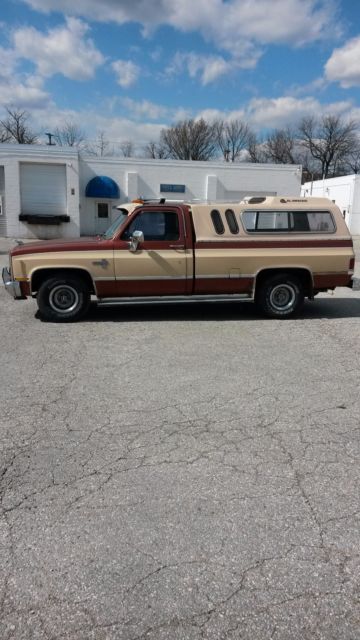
[180, 472]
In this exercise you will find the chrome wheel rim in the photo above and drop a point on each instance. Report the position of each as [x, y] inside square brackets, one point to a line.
[63, 298]
[282, 297]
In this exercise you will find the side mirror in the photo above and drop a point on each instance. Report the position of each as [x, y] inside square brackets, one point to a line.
[135, 240]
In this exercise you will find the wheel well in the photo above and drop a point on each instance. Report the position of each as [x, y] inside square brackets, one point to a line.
[303, 275]
[43, 274]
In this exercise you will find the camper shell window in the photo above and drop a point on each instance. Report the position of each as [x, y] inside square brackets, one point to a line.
[288, 222]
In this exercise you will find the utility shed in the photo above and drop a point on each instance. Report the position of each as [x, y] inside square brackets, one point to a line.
[48, 192]
[344, 191]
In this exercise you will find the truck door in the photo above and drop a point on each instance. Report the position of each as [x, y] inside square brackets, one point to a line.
[161, 264]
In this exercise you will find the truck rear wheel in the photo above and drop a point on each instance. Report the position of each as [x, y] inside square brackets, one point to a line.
[63, 299]
[280, 296]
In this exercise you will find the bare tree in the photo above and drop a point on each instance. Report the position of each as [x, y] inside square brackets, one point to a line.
[15, 128]
[127, 148]
[70, 134]
[256, 149]
[101, 146]
[311, 169]
[232, 138]
[329, 140]
[4, 134]
[351, 162]
[155, 150]
[190, 140]
[280, 146]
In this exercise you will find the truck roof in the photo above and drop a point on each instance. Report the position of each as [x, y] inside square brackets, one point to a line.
[204, 223]
[253, 202]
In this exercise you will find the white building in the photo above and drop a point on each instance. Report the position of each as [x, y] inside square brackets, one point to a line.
[345, 191]
[49, 192]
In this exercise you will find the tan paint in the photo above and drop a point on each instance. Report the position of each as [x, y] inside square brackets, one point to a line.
[251, 261]
[25, 266]
[153, 263]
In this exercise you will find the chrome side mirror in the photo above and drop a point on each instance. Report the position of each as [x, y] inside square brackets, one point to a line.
[136, 238]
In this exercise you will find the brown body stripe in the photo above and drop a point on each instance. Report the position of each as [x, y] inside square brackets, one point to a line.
[272, 244]
[72, 245]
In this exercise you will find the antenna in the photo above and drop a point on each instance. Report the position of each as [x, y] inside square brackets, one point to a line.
[50, 136]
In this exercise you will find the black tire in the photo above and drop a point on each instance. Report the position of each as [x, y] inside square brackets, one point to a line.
[63, 299]
[280, 296]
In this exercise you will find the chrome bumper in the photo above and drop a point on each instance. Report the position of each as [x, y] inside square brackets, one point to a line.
[12, 286]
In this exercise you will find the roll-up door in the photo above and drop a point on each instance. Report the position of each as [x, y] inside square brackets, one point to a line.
[43, 189]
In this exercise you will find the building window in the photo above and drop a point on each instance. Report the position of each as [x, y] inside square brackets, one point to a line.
[172, 188]
[102, 210]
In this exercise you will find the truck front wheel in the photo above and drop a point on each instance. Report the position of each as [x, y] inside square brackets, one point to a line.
[280, 296]
[63, 299]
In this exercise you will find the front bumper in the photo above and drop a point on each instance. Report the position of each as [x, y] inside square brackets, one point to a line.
[12, 286]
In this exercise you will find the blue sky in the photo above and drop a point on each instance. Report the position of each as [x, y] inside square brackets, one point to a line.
[131, 67]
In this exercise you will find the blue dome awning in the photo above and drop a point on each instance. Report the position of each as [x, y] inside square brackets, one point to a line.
[102, 187]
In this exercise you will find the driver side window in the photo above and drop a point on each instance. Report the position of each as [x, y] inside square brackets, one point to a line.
[155, 225]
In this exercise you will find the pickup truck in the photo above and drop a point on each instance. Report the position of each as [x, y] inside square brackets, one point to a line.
[272, 250]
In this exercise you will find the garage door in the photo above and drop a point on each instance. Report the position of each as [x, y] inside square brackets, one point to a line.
[43, 188]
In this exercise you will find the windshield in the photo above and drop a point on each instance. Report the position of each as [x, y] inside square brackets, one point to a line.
[115, 225]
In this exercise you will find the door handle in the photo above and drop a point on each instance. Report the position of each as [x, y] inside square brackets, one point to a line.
[176, 246]
[101, 263]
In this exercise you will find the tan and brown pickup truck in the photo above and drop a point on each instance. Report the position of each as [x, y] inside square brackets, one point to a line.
[275, 251]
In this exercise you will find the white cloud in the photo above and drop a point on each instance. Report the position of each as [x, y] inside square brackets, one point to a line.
[116, 129]
[27, 94]
[64, 50]
[314, 86]
[20, 89]
[127, 72]
[8, 63]
[293, 22]
[240, 27]
[277, 113]
[144, 11]
[216, 114]
[181, 113]
[287, 110]
[208, 68]
[145, 109]
[343, 65]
